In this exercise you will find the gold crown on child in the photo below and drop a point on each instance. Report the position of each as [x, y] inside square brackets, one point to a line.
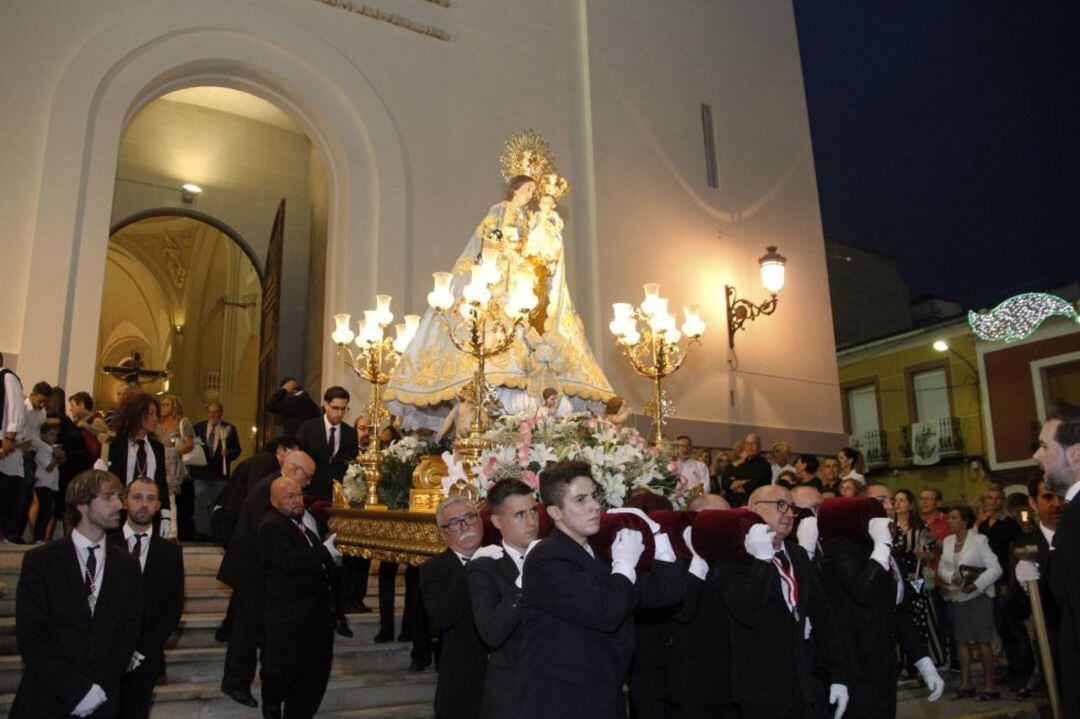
[527, 153]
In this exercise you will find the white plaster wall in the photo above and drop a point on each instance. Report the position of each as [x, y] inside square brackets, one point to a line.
[614, 86]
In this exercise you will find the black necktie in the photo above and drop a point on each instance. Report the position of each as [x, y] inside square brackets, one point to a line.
[140, 458]
[91, 569]
[311, 536]
[781, 556]
[137, 549]
[333, 452]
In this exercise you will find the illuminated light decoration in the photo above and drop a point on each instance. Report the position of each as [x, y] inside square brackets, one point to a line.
[1018, 317]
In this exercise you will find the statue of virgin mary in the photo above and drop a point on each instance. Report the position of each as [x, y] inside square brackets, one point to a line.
[550, 349]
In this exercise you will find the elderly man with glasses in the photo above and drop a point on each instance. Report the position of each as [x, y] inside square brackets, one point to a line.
[461, 656]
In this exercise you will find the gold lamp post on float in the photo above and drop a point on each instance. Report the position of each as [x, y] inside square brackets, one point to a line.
[657, 350]
[374, 362]
[482, 326]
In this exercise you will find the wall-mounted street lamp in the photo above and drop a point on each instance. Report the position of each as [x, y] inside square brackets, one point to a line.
[741, 311]
[943, 346]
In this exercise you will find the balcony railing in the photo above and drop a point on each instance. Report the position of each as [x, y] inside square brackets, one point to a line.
[874, 446]
[945, 433]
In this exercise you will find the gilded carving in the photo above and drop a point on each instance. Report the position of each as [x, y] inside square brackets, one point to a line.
[392, 536]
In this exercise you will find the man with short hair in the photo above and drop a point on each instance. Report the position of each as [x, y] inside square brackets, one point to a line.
[266, 461]
[222, 443]
[780, 459]
[1001, 529]
[494, 579]
[747, 473]
[830, 476]
[240, 569]
[293, 405]
[1059, 457]
[78, 607]
[12, 467]
[776, 604]
[707, 501]
[932, 516]
[577, 625]
[462, 656]
[807, 496]
[300, 574]
[883, 494]
[31, 443]
[692, 472]
[162, 565]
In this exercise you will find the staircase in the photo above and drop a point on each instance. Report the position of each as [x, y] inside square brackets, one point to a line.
[367, 680]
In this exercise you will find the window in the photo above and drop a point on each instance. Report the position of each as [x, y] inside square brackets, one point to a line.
[863, 410]
[931, 395]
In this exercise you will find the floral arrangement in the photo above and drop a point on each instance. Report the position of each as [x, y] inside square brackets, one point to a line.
[400, 460]
[621, 459]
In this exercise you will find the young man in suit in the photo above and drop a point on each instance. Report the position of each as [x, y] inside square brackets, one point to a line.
[1047, 507]
[136, 452]
[77, 610]
[461, 656]
[222, 445]
[577, 624]
[293, 405]
[782, 625]
[240, 569]
[494, 577]
[300, 573]
[162, 565]
[1059, 456]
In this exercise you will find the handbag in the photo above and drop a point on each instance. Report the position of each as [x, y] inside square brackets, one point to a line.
[197, 456]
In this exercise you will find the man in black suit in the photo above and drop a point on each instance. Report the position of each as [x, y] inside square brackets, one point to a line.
[266, 461]
[577, 629]
[162, 566]
[1059, 456]
[293, 405]
[136, 452]
[221, 441]
[1048, 510]
[774, 606]
[333, 444]
[77, 610]
[461, 656]
[240, 569]
[746, 473]
[494, 578]
[300, 573]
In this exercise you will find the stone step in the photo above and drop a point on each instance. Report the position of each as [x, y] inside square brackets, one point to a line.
[379, 692]
[411, 711]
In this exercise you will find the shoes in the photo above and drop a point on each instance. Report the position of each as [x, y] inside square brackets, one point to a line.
[342, 628]
[988, 696]
[418, 666]
[383, 637]
[1022, 694]
[405, 637]
[222, 635]
[242, 696]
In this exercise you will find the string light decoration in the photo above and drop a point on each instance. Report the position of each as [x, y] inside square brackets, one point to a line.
[1018, 317]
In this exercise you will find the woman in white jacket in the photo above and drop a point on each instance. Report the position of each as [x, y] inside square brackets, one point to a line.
[969, 567]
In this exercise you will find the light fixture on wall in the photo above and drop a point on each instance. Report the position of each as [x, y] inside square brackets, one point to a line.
[189, 191]
[741, 311]
[944, 346]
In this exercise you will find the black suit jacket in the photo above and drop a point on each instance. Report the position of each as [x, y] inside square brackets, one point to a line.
[163, 594]
[863, 593]
[294, 410]
[66, 650]
[240, 567]
[1065, 582]
[118, 465]
[299, 577]
[767, 641]
[445, 591]
[496, 609]
[577, 634]
[230, 450]
[312, 439]
[699, 669]
[756, 470]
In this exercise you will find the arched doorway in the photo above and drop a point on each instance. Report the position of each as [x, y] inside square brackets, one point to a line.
[184, 291]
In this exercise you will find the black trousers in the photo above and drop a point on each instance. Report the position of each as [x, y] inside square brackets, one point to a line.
[422, 645]
[1014, 637]
[354, 582]
[137, 689]
[794, 709]
[296, 665]
[11, 489]
[246, 639]
[184, 512]
[46, 499]
[388, 593]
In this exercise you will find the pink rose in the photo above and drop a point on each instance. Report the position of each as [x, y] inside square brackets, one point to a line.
[530, 478]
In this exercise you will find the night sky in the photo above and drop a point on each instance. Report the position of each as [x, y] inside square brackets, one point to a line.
[947, 135]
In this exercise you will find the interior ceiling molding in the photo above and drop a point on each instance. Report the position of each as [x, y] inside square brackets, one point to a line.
[235, 102]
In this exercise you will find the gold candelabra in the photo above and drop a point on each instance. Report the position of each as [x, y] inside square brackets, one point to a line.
[658, 349]
[374, 362]
[482, 326]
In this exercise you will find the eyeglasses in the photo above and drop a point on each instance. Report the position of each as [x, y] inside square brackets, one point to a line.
[781, 505]
[459, 524]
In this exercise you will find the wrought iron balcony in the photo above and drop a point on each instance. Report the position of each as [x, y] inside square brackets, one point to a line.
[922, 442]
[874, 446]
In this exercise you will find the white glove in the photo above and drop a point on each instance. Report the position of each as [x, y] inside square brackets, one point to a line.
[1027, 571]
[101, 465]
[881, 533]
[807, 534]
[838, 695]
[698, 566]
[89, 704]
[331, 545]
[663, 551]
[929, 674]
[491, 551]
[759, 542]
[136, 661]
[653, 526]
[163, 528]
[625, 552]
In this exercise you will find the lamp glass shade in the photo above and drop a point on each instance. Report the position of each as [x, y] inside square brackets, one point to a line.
[441, 298]
[342, 335]
[941, 346]
[772, 269]
[382, 307]
[692, 324]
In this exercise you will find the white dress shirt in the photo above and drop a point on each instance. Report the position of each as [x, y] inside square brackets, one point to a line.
[1048, 535]
[82, 551]
[151, 460]
[694, 472]
[1073, 490]
[337, 435]
[13, 420]
[32, 424]
[518, 557]
[144, 543]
